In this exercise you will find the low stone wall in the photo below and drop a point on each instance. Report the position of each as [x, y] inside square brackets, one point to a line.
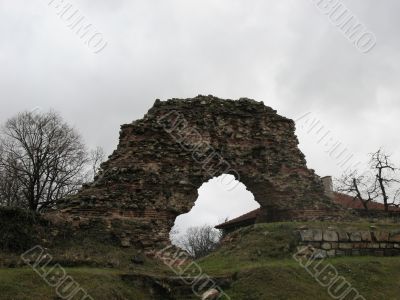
[329, 243]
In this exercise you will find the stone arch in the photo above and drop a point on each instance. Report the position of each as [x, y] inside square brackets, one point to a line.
[215, 203]
[163, 159]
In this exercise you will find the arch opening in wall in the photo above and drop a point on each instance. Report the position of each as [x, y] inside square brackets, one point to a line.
[215, 204]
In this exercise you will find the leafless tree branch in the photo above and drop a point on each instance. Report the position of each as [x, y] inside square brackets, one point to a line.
[377, 183]
[42, 160]
[200, 241]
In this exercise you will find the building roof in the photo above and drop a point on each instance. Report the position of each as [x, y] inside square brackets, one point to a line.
[252, 215]
[342, 199]
[350, 202]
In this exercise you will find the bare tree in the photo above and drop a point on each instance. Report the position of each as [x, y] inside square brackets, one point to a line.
[10, 191]
[200, 241]
[96, 157]
[44, 158]
[376, 183]
[386, 177]
[361, 187]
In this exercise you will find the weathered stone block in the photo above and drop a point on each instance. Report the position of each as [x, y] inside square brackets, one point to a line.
[307, 235]
[355, 236]
[381, 236]
[366, 236]
[315, 244]
[373, 245]
[345, 245]
[319, 254]
[326, 246]
[343, 236]
[330, 236]
[395, 237]
[334, 245]
[363, 245]
[331, 253]
[311, 235]
[317, 235]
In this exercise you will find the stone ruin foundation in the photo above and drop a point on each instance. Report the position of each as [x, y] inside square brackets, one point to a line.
[332, 242]
[161, 160]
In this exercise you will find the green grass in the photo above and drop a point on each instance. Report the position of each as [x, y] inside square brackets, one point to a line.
[257, 259]
[24, 283]
[253, 246]
[374, 278]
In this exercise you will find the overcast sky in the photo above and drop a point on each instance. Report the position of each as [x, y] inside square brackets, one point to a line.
[285, 53]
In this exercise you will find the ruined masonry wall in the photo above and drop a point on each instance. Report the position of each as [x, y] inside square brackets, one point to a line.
[329, 243]
[162, 160]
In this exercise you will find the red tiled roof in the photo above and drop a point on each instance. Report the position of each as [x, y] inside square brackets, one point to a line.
[342, 199]
[249, 216]
[349, 202]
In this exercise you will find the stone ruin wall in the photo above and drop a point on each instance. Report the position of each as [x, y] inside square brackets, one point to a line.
[161, 161]
[329, 243]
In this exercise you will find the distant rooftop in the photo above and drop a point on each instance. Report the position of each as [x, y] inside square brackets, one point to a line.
[342, 199]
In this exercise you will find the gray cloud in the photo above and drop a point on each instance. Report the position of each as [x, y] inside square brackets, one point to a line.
[285, 53]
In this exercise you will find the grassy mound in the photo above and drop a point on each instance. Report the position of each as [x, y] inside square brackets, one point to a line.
[252, 246]
[24, 284]
[257, 261]
[374, 278]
